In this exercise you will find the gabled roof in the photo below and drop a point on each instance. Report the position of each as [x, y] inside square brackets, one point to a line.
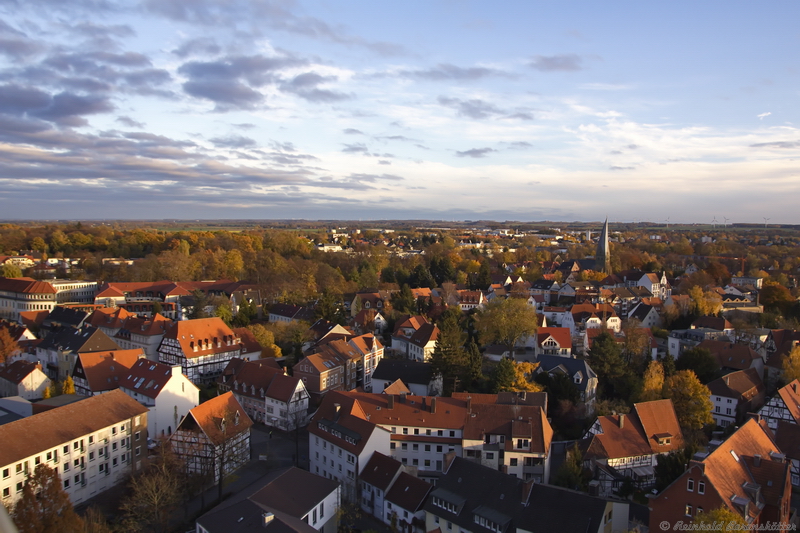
[33, 318]
[742, 384]
[420, 411]
[790, 394]
[217, 419]
[248, 340]
[148, 378]
[397, 387]
[553, 508]
[249, 378]
[560, 335]
[295, 492]
[209, 335]
[366, 343]
[380, 470]
[406, 321]
[341, 420]
[408, 492]
[109, 317]
[512, 421]
[54, 427]
[104, 370]
[26, 286]
[712, 322]
[18, 370]
[425, 334]
[730, 355]
[73, 340]
[65, 316]
[148, 327]
[569, 366]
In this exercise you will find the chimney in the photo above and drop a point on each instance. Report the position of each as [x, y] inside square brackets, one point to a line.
[390, 398]
[402, 397]
[469, 404]
[337, 407]
[757, 460]
[433, 405]
[266, 519]
[621, 421]
[177, 370]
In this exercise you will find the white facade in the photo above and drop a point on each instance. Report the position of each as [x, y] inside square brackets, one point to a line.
[31, 387]
[177, 397]
[329, 460]
[724, 410]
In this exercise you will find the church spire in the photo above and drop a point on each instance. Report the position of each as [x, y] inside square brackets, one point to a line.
[602, 258]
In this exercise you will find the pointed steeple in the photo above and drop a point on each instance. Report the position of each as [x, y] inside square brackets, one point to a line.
[602, 258]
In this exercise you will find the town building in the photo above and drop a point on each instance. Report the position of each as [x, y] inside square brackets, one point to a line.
[213, 439]
[736, 394]
[94, 445]
[164, 390]
[24, 379]
[784, 406]
[99, 372]
[59, 350]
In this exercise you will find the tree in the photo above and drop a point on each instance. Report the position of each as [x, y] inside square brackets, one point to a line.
[68, 386]
[706, 303]
[157, 308]
[266, 339]
[671, 466]
[653, 382]
[448, 358]
[503, 376]
[154, 494]
[403, 301]
[570, 473]
[200, 302]
[330, 307]
[691, 399]
[9, 270]
[700, 361]
[613, 373]
[507, 322]
[523, 375]
[774, 296]
[721, 515]
[44, 506]
[8, 346]
[791, 366]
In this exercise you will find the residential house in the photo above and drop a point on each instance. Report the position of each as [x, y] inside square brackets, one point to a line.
[736, 394]
[579, 374]
[371, 354]
[323, 329]
[251, 349]
[368, 321]
[203, 347]
[555, 315]
[553, 341]
[579, 291]
[18, 295]
[627, 446]
[787, 438]
[291, 500]
[59, 350]
[109, 319]
[213, 439]
[404, 329]
[423, 342]
[731, 357]
[784, 406]
[680, 340]
[647, 315]
[99, 372]
[416, 375]
[715, 323]
[744, 281]
[468, 300]
[63, 317]
[746, 475]
[342, 440]
[586, 315]
[164, 390]
[143, 333]
[375, 480]
[546, 288]
[321, 373]
[266, 393]
[24, 379]
[404, 502]
[370, 300]
[94, 445]
[290, 313]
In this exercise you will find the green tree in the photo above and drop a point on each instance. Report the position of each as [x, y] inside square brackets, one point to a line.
[44, 506]
[403, 301]
[199, 304]
[448, 358]
[157, 308]
[503, 376]
[605, 358]
[507, 322]
[671, 466]
[691, 399]
[570, 473]
[483, 280]
[700, 361]
[68, 386]
[330, 306]
[9, 270]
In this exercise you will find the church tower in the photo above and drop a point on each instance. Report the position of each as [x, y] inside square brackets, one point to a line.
[602, 258]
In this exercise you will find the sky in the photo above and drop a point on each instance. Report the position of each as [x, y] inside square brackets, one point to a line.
[440, 110]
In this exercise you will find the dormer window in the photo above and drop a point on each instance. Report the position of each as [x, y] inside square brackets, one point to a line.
[236, 419]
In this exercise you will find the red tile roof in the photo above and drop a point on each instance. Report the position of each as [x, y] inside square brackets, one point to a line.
[560, 335]
[33, 318]
[18, 370]
[26, 286]
[105, 370]
[209, 417]
[209, 335]
[148, 378]
[791, 398]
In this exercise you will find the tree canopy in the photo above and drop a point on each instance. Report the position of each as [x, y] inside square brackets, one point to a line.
[44, 506]
[507, 322]
[691, 399]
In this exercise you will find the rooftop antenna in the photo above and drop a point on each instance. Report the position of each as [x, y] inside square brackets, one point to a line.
[765, 221]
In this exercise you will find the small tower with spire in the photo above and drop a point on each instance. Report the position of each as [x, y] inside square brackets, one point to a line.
[602, 258]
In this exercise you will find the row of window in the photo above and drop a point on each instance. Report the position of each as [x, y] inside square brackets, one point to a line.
[414, 447]
[429, 432]
[701, 486]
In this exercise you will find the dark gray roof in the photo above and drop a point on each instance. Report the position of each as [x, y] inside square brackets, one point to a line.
[65, 316]
[295, 492]
[548, 363]
[404, 369]
[245, 516]
[566, 511]
[74, 340]
[640, 312]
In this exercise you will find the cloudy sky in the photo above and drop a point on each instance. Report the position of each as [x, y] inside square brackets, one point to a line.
[387, 109]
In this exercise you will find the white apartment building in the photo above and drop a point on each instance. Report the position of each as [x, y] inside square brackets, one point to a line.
[93, 444]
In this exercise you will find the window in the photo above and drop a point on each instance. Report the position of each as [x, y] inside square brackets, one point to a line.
[138, 450]
[688, 510]
[394, 430]
[391, 445]
[404, 446]
[137, 420]
[136, 437]
[66, 467]
[690, 485]
[513, 461]
[114, 462]
[415, 462]
[113, 446]
[427, 462]
[66, 449]
[416, 431]
[75, 445]
[452, 433]
[113, 430]
[6, 473]
[37, 460]
[490, 455]
[405, 431]
[440, 432]
[76, 463]
[66, 483]
[701, 489]
[415, 447]
[717, 409]
[427, 447]
[427, 431]
[6, 492]
[728, 411]
[439, 449]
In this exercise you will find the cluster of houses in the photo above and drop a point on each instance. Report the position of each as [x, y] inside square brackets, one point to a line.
[380, 433]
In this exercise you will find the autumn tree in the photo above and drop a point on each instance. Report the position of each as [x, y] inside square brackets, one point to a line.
[704, 303]
[507, 322]
[8, 346]
[653, 382]
[791, 366]
[449, 358]
[691, 399]
[44, 506]
[775, 297]
[199, 304]
[509, 376]
[68, 386]
[266, 339]
[721, 515]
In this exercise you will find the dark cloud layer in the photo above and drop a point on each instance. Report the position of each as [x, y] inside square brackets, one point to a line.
[476, 153]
